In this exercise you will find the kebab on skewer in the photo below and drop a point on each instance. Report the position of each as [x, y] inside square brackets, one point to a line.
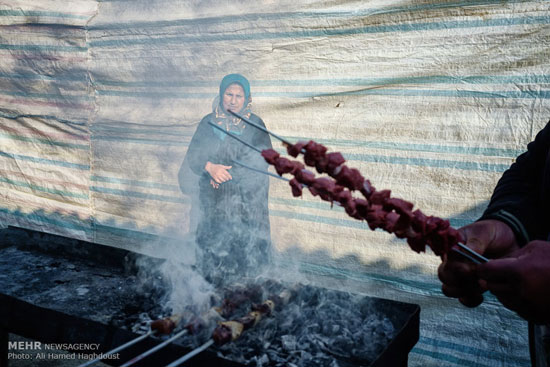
[234, 298]
[231, 330]
[161, 326]
[378, 208]
[229, 304]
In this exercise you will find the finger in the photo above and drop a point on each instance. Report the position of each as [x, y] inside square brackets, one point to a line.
[482, 285]
[472, 240]
[500, 270]
[504, 289]
[456, 272]
[471, 300]
[227, 167]
[453, 292]
[513, 302]
[470, 297]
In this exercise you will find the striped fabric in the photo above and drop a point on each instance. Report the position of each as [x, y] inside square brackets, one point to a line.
[431, 99]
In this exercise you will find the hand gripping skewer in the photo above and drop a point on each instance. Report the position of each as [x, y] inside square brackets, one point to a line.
[471, 254]
[466, 251]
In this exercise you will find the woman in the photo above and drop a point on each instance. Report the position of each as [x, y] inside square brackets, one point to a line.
[233, 231]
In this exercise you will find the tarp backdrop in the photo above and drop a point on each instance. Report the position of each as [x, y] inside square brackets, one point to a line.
[431, 99]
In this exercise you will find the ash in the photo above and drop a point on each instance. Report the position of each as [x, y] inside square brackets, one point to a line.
[318, 327]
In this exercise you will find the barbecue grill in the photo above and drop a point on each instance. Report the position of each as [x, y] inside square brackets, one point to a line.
[65, 291]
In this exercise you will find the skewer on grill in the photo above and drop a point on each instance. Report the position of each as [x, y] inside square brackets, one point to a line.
[231, 330]
[161, 326]
[167, 325]
[154, 349]
[434, 231]
[118, 349]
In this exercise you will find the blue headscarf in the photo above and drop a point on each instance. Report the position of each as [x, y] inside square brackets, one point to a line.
[235, 78]
[225, 120]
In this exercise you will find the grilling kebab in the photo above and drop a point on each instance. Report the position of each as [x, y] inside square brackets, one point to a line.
[162, 326]
[235, 299]
[377, 207]
[228, 331]
[165, 326]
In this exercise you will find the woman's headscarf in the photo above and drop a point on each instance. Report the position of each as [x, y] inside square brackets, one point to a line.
[235, 78]
[224, 119]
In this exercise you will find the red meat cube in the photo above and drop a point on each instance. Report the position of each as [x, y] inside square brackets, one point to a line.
[270, 155]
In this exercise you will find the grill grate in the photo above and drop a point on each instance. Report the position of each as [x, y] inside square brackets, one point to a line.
[94, 295]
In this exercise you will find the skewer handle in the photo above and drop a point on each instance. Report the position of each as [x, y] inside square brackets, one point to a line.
[472, 254]
[154, 349]
[118, 349]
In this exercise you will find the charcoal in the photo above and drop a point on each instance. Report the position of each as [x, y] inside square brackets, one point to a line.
[289, 342]
[318, 327]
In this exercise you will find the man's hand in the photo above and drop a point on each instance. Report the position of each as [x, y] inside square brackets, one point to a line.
[521, 282]
[491, 238]
[218, 172]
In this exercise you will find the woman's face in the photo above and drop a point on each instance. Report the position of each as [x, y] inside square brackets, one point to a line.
[233, 98]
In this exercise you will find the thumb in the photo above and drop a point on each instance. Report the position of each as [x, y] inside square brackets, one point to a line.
[227, 167]
[473, 242]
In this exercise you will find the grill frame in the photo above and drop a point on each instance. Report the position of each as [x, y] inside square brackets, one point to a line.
[41, 323]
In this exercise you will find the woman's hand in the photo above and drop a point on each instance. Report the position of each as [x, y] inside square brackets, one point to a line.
[521, 282]
[218, 172]
[214, 184]
[491, 238]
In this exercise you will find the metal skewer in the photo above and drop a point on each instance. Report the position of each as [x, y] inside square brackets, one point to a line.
[469, 254]
[191, 354]
[154, 349]
[479, 258]
[260, 171]
[235, 137]
[471, 258]
[118, 349]
[286, 142]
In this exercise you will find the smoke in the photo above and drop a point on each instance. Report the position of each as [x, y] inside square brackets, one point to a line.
[228, 236]
[313, 327]
[188, 289]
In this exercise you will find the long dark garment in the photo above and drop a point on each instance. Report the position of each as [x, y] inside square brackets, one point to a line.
[521, 199]
[233, 232]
